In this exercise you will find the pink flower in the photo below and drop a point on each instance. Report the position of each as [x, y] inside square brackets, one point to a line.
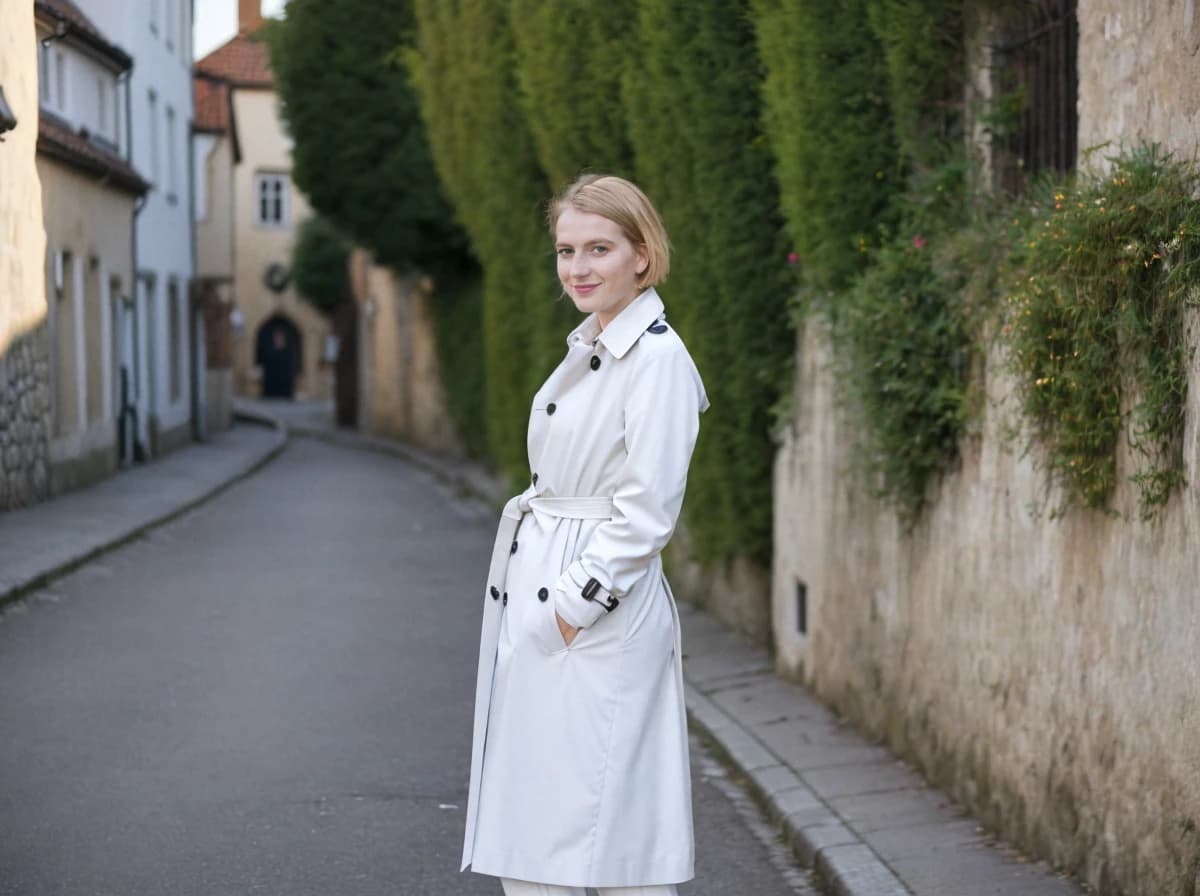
[793, 258]
[918, 242]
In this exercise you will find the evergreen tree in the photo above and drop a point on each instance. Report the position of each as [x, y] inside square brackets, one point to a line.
[320, 264]
[361, 155]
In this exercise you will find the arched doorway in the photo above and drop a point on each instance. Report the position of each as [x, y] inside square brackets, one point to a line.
[279, 354]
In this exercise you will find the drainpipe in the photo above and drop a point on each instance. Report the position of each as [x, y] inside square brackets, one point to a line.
[139, 450]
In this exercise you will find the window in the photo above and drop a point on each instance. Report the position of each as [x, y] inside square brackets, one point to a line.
[44, 73]
[60, 81]
[116, 116]
[175, 361]
[172, 185]
[101, 106]
[272, 193]
[1037, 79]
[153, 119]
[154, 15]
[185, 40]
[169, 24]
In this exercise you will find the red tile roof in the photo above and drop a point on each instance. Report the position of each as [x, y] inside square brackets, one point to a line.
[243, 61]
[73, 21]
[212, 104]
[57, 141]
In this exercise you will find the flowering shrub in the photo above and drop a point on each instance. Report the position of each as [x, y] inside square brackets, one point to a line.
[1096, 323]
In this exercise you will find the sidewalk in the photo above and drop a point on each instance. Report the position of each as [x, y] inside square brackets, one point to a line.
[866, 822]
[848, 807]
[49, 539]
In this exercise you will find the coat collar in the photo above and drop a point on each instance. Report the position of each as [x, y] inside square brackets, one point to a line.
[625, 329]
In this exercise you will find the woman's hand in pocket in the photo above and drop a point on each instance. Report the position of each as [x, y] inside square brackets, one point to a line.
[568, 632]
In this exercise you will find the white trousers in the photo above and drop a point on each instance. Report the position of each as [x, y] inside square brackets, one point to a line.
[525, 888]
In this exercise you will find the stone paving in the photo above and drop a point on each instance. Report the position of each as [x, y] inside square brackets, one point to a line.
[867, 823]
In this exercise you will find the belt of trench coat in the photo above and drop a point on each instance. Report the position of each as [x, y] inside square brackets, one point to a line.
[581, 508]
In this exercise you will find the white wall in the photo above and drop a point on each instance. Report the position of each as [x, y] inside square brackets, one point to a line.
[158, 37]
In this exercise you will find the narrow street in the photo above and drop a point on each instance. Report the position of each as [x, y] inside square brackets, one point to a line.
[272, 695]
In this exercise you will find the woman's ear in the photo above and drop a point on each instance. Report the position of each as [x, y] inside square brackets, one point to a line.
[643, 260]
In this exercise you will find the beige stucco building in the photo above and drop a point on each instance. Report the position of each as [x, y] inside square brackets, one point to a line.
[89, 193]
[277, 343]
[24, 368]
[1045, 670]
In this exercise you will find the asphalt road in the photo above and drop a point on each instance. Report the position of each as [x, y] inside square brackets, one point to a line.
[272, 695]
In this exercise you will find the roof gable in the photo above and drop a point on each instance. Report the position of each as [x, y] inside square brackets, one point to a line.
[243, 61]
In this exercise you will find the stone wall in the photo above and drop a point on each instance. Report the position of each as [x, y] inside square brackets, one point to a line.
[24, 372]
[738, 594]
[24, 421]
[400, 386]
[1043, 669]
[1139, 73]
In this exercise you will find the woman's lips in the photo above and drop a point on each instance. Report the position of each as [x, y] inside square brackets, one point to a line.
[585, 290]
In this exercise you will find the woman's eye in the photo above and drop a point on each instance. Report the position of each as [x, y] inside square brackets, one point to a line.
[599, 250]
[564, 253]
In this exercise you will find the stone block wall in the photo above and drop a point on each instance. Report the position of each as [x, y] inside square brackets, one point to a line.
[24, 421]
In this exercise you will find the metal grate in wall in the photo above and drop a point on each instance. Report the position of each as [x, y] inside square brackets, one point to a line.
[1037, 86]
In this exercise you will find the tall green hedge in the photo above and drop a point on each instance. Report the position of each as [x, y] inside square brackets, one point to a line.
[569, 79]
[692, 97]
[830, 126]
[463, 71]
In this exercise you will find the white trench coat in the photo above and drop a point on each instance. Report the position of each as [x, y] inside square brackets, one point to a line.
[579, 767]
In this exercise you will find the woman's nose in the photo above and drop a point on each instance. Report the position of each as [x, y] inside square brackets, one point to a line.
[579, 265]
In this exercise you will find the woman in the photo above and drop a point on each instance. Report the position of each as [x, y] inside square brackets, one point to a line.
[579, 772]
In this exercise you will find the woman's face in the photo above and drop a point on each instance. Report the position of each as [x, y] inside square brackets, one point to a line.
[597, 265]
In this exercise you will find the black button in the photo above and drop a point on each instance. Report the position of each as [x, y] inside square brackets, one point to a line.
[495, 593]
[595, 363]
[513, 549]
[543, 595]
[535, 478]
[504, 602]
[551, 408]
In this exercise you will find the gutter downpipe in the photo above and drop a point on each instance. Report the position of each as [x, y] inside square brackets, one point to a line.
[139, 450]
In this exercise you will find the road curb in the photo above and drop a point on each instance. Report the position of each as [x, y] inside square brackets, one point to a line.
[817, 835]
[18, 590]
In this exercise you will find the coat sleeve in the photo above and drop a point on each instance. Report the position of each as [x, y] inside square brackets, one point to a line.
[661, 423]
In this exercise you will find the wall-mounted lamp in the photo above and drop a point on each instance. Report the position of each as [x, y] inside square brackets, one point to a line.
[8, 121]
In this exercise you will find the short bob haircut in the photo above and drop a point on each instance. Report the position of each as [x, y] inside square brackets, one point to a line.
[626, 206]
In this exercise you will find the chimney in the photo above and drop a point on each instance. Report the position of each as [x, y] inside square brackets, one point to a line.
[249, 15]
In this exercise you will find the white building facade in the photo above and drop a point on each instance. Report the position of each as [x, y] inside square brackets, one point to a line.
[162, 370]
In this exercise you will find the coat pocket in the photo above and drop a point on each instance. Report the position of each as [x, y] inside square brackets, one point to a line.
[543, 628]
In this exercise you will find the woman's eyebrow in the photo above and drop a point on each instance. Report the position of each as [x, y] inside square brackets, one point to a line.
[606, 242]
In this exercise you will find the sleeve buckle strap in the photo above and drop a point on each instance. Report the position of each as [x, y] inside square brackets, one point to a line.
[592, 589]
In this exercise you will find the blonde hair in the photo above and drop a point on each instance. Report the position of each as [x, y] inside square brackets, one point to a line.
[626, 206]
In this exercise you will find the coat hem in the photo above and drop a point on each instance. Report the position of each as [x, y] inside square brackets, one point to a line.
[540, 874]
